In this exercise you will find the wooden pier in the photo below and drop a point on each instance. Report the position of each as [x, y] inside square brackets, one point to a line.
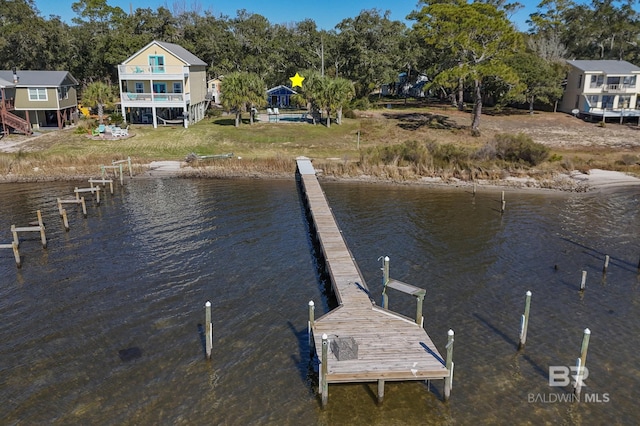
[364, 342]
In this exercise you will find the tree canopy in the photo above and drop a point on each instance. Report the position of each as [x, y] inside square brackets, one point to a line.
[463, 47]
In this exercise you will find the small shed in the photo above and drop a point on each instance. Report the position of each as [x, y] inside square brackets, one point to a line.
[280, 96]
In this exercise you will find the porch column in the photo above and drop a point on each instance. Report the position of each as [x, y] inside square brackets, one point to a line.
[123, 110]
[155, 119]
[185, 116]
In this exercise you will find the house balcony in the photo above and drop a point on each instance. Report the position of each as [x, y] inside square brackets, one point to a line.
[130, 99]
[611, 88]
[160, 72]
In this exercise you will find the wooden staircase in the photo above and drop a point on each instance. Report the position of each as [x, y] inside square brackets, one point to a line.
[11, 120]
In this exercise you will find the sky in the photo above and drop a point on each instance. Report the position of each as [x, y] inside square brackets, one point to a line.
[326, 13]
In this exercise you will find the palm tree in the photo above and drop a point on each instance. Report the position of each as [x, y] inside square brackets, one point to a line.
[342, 92]
[242, 91]
[98, 94]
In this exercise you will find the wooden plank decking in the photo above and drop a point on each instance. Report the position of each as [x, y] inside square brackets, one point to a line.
[390, 346]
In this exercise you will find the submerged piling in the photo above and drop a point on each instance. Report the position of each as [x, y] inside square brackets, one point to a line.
[524, 324]
[208, 329]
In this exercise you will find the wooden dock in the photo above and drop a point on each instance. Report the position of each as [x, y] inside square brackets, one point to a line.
[364, 342]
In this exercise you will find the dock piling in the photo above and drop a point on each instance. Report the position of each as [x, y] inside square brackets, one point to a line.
[324, 385]
[385, 281]
[583, 283]
[380, 390]
[448, 381]
[310, 324]
[606, 264]
[524, 323]
[65, 221]
[16, 252]
[582, 362]
[208, 329]
[39, 228]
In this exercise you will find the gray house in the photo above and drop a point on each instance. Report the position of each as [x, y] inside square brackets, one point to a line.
[35, 99]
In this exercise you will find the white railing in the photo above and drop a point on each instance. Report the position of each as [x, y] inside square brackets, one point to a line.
[154, 97]
[144, 70]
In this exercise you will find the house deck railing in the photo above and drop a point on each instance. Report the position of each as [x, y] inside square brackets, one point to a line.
[178, 98]
[152, 71]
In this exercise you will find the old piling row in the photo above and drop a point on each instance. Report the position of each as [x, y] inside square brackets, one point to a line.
[94, 189]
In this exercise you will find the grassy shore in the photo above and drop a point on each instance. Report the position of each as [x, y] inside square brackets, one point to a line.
[401, 144]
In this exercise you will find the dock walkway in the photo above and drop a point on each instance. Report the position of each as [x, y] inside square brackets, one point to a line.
[389, 346]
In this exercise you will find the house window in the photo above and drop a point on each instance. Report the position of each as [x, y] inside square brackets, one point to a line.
[596, 81]
[592, 100]
[63, 93]
[159, 87]
[37, 94]
[139, 87]
[624, 101]
[580, 81]
[629, 81]
[156, 62]
[177, 87]
[607, 101]
[613, 83]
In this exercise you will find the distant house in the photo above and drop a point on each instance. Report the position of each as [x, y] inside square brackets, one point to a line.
[403, 87]
[34, 99]
[602, 89]
[163, 83]
[213, 90]
[280, 96]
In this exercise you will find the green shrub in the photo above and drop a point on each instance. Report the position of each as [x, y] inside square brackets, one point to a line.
[520, 148]
[448, 153]
[410, 152]
[348, 113]
[361, 104]
[116, 118]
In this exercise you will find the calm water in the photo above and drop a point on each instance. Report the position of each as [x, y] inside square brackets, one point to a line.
[104, 326]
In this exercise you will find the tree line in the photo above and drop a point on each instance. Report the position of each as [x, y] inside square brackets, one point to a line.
[464, 48]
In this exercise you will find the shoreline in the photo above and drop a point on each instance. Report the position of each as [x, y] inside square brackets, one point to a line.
[573, 182]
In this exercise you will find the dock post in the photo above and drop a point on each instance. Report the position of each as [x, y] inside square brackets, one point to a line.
[419, 299]
[98, 194]
[43, 236]
[324, 386]
[121, 177]
[77, 193]
[448, 381]
[385, 281]
[524, 323]
[606, 264]
[16, 254]
[208, 329]
[84, 207]
[582, 361]
[583, 283]
[380, 390]
[130, 171]
[65, 221]
[474, 189]
[16, 241]
[310, 323]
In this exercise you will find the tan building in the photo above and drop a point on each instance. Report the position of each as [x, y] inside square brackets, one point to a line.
[602, 89]
[163, 83]
[36, 99]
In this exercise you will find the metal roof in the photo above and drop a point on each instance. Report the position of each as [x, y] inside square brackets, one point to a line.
[605, 66]
[281, 90]
[38, 78]
[180, 52]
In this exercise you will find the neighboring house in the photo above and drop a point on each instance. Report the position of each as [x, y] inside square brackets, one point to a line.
[213, 90]
[34, 99]
[163, 83]
[602, 89]
[404, 87]
[280, 96]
